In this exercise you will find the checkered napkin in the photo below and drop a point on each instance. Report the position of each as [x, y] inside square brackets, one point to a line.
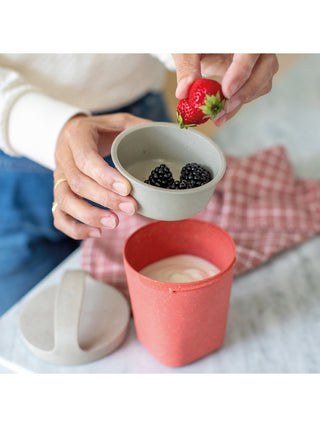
[259, 202]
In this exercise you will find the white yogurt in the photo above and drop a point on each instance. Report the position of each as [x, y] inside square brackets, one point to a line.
[180, 269]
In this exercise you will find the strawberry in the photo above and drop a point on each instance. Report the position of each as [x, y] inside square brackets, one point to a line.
[205, 100]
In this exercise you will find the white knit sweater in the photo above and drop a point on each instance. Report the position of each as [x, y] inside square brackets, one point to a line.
[39, 93]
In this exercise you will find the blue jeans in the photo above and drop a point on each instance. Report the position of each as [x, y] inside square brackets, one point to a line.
[30, 246]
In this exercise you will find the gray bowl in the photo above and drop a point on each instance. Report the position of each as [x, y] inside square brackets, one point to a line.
[139, 149]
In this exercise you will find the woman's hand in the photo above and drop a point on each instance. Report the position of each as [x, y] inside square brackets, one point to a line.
[83, 174]
[245, 77]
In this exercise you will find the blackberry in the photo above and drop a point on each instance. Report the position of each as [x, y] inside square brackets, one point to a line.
[195, 175]
[179, 185]
[161, 176]
[192, 175]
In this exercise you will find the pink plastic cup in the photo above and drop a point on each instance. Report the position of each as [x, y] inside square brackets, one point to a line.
[180, 322]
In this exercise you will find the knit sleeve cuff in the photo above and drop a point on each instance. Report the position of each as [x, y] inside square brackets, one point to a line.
[34, 125]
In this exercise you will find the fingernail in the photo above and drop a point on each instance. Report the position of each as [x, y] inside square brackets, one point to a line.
[108, 221]
[221, 120]
[232, 105]
[127, 208]
[219, 115]
[120, 188]
[95, 233]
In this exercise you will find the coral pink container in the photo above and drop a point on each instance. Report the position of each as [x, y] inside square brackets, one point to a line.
[179, 323]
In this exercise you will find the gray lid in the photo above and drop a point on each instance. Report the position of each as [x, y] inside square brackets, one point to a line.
[78, 321]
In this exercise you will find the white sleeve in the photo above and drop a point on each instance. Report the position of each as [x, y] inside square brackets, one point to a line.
[30, 121]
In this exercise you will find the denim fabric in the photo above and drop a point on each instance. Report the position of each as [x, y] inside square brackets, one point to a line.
[30, 246]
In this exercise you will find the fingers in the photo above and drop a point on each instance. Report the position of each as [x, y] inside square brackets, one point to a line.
[238, 73]
[67, 224]
[72, 209]
[84, 187]
[75, 229]
[89, 178]
[221, 119]
[91, 164]
[73, 204]
[188, 69]
[79, 209]
[83, 145]
[79, 219]
[259, 83]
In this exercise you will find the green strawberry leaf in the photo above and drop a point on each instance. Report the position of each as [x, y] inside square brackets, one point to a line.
[182, 124]
[212, 105]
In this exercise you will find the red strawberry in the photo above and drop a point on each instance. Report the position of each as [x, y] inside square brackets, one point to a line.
[205, 101]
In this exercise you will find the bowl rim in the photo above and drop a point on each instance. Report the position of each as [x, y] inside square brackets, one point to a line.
[125, 173]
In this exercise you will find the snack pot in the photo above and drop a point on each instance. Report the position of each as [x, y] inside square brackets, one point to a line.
[180, 322]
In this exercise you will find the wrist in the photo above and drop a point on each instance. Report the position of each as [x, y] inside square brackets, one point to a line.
[34, 126]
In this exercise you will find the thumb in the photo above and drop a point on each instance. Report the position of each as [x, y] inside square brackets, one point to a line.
[188, 70]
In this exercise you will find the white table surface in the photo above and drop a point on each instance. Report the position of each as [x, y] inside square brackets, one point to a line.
[274, 316]
[273, 325]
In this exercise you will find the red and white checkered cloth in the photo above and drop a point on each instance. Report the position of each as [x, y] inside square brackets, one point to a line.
[259, 202]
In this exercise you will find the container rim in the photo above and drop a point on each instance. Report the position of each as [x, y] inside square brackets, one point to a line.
[182, 287]
[117, 163]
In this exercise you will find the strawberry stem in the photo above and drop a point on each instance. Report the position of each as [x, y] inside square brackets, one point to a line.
[182, 124]
[212, 105]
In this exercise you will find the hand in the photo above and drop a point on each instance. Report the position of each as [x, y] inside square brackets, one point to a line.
[245, 77]
[81, 146]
